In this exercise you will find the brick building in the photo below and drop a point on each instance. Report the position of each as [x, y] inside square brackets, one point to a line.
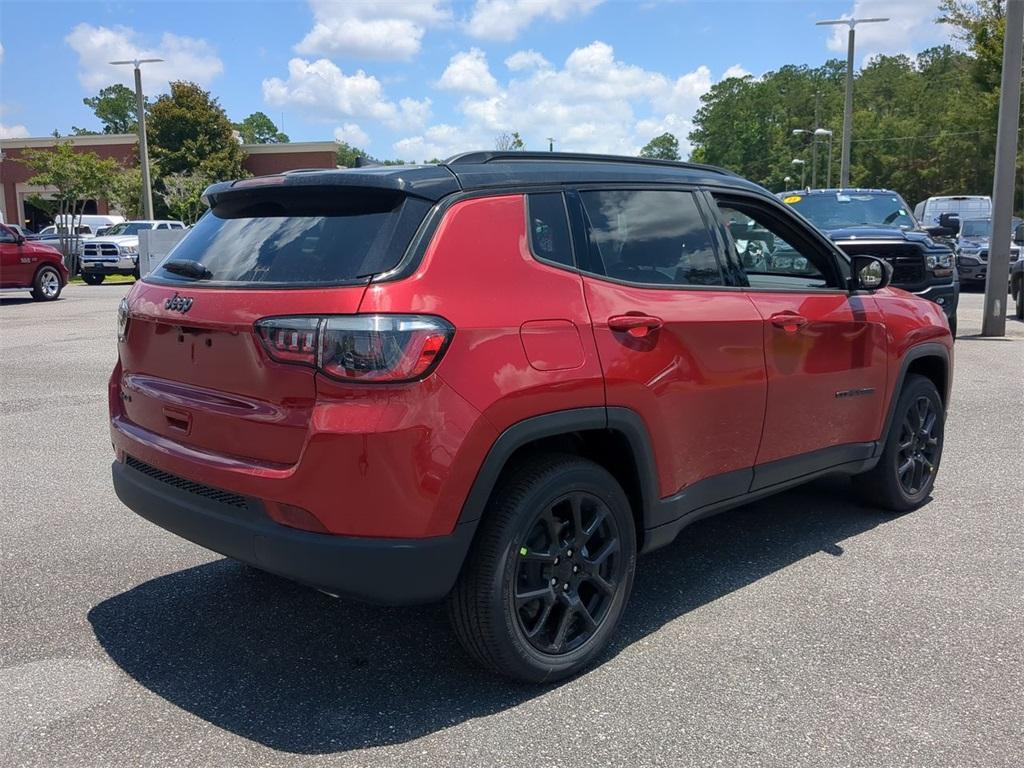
[15, 192]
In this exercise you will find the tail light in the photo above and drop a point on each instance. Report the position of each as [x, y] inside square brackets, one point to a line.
[364, 348]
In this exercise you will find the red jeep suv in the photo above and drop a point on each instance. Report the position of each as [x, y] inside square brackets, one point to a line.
[499, 379]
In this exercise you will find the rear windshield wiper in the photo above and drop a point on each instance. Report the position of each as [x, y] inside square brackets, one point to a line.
[187, 268]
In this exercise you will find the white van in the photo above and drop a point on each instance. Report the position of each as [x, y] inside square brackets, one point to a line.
[93, 221]
[965, 207]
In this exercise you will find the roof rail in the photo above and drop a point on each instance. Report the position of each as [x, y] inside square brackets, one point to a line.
[486, 156]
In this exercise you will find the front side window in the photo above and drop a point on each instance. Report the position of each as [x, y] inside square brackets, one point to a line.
[650, 237]
[770, 250]
[549, 228]
[7, 236]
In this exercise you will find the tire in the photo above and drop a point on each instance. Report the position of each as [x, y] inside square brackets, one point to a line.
[517, 552]
[47, 285]
[93, 279]
[916, 437]
[1020, 301]
[136, 274]
[952, 326]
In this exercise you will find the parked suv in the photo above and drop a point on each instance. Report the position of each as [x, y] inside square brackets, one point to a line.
[117, 251]
[879, 222]
[499, 379]
[26, 264]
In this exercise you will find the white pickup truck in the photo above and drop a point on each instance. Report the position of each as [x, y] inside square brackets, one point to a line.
[116, 252]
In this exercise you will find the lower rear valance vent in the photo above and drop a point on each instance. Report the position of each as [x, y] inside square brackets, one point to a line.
[213, 494]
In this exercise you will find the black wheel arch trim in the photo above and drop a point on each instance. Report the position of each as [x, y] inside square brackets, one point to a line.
[917, 352]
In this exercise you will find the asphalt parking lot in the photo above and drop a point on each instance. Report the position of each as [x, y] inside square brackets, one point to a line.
[801, 630]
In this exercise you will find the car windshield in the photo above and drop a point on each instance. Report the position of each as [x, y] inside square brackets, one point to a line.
[838, 210]
[976, 228]
[129, 228]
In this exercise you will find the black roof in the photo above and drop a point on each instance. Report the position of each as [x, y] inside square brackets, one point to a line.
[483, 170]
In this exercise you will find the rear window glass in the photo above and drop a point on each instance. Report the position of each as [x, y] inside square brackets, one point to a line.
[549, 228]
[319, 238]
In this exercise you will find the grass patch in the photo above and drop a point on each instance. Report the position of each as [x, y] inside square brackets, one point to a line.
[110, 280]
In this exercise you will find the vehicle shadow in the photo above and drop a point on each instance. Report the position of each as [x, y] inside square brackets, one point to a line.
[13, 300]
[298, 671]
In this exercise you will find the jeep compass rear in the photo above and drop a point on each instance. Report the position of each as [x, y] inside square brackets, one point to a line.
[499, 379]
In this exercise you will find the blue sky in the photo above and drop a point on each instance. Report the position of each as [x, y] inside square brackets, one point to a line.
[422, 78]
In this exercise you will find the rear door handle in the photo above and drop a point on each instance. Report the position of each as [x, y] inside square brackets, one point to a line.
[788, 321]
[634, 325]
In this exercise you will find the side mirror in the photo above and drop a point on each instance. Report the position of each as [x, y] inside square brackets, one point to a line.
[871, 273]
[18, 238]
[950, 221]
[1018, 234]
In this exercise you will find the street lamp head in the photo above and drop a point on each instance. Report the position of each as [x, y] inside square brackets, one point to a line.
[798, 161]
[136, 62]
[822, 132]
[851, 23]
[798, 131]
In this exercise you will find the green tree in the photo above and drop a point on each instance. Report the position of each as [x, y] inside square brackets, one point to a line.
[190, 133]
[664, 147]
[509, 142]
[75, 178]
[257, 128]
[182, 194]
[126, 193]
[348, 156]
[116, 108]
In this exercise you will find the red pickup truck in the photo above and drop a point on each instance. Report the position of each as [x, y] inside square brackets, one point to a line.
[24, 264]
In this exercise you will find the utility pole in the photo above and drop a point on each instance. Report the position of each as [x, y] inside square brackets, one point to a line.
[993, 323]
[844, 170]
[140, 105]
[551, 144]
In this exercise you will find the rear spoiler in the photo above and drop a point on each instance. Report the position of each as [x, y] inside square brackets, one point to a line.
[429, 182]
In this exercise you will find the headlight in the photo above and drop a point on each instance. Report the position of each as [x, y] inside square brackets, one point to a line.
[123, 317]
[128, 249]
[969, 260]
[934, 260]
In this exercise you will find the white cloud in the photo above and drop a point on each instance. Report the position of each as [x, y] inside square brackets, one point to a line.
[13, 131]
[529, 59]
[1, 53]
[371, 28]
[185, 58]
[352, 134]
[505, 19]
[322, 90]
[911, 28]
[468, 72]
[735, 71]
[592, 103]
[414, 114]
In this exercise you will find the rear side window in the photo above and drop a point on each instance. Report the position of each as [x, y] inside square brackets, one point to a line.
[650, 237]
[549, 228]
[322, 237]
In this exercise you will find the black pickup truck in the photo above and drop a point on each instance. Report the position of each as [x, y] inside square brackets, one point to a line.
[879, 222]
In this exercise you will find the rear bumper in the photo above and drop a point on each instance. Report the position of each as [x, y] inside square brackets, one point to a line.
[394, 571]
[946, 295]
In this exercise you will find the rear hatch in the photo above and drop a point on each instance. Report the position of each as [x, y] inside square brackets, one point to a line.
[194, 369]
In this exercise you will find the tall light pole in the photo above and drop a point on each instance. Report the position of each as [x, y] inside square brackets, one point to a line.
[140, 105]
[551, 144]
[844, 169]
[819, 132]
[803, 170]
[814, 154]
[993, 323]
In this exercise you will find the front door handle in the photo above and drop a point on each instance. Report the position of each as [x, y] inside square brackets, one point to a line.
[788, 321]
[635, 325]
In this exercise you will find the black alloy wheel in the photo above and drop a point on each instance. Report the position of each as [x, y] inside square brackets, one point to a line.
[917, 456]
[569, 567]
